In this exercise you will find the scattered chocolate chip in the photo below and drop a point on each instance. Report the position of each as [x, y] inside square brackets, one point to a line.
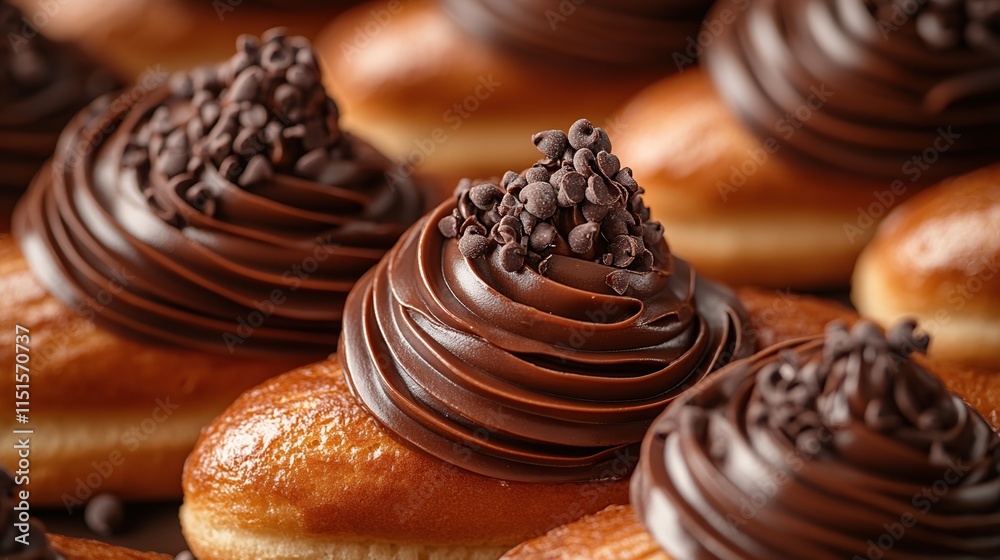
[624, 176]
[512, 256]
[254, 117]
[582, 135]
[486, 195]
[652, 233]
[574, 187]
[528, 221]
[539, 199]
[552, 143]
[543, 236]
[598, 192]
[581, 238]
[448, 226]
[593, 212]
[537, 174]
[258, 169]
[608, 164]
[276, 58]
[619, 281]
[584, 162]
[624, 249]
[508, 177]
[246, 84]
[471, 224]
[105, 514]
[472, 245]
[301, 76]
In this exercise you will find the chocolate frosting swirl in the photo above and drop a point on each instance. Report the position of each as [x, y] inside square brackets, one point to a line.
[613, 33]
[828, 448]
[42, 85]
[864, 86]
[525, 350]
[38, 547]
[224, 211]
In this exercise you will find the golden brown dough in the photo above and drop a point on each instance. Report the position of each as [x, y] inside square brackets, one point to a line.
[770, 224]
[937, 259]
[611, 534]
[110, 414]
[83, 549]
[296, 468]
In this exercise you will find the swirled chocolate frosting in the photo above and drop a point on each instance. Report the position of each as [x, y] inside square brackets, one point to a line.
[19, 540]
[830, 448]
[531, 329]
[612, 33]
[223, 211]
[42, 85]
[883, 89]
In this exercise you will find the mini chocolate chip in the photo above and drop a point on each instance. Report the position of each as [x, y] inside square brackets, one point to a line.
[254, 117]
[465, 205]
[508, 205]
[300, 76]
[543, 236]
[608, 164]
[246, 84]
[594, 212]
[105, 514]
[490, 218]
[575, 187]
[512, 256]
[275, 35]
[311, 163]
[624, 249]
[172, 162]
[624, 176]
[603, 142]
[581, 238]
[639, 209]
[473, 246]
[507, 178]
[619, 281]
[645, 261]
[185, 555]
[195, 130]
[177, 140]
[448, 226]
[552, 143]
[517, 184]
[607, 259]
[276, 58]
[209, 113]
[539, 199]
[652, 233]
[512, 222]
[471, 224]
[247, 43]
[582, 135]
[557, 176]
[218, 147]
[616, 223]
[485, 196]
[584, 162]
[528, 222]
[258, 169]
[205, 78]
[181, 85]
[506, 233]
[536, 174]
[306, 58]
[598, 191]
[161, 121]
[231, 168]
[248, 142]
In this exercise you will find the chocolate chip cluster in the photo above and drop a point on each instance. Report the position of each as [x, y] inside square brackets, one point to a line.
[578, 200]
[945, 24]
[264, 110]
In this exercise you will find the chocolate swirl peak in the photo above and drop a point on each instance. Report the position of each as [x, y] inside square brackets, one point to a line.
[829, 448]
[611, 33]
[42, 85]
[531, 329]
[881, 89]
[12, 530]
[223, 211]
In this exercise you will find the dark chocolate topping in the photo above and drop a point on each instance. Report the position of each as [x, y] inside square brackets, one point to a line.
[880, 89]
[42, 85]
[38, 547]
[226, 210]
[828, 448]
[613, 33]
[516, 351]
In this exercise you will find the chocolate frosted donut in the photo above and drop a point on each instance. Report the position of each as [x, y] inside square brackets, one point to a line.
[532, 330]
[824, 449]
[629, 34]
[42, 85]
[223, 211]
[894, 89]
